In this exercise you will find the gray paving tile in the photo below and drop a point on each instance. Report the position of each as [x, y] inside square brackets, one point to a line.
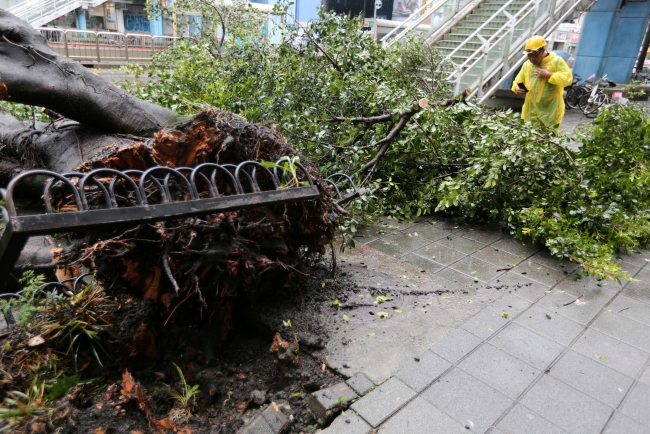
[637, 404]
[545, 258]
[568, 408]
[419, 417]
[637, 258]
[520, 285]
[382, 402]
[500, 370]
[360, 384]
[348, 423]
[429, 266]
[461, 244]
[485, 323]
[456, 345]
[418, 374]
[388, 248]
[394, 224]
[521, 420]
[440, 253]
[516, 247]
[509, 303]
[630, 269]
[446, 223]
[539, 273]
[592, 378]
[496, 257]
[474, 267]
[621, 424]
[275, 418]
[406, 240]
[430, 232]
[581, 310]
[257, 426]
[639, 290]
[557, 328]
[611, 352]
[368, 234]
[527, 345]
[325, 403]
[467, 400]
[481, 235]
[457, 277]
[628, 330]
[631, 308]
[587, 287]
[645, 376]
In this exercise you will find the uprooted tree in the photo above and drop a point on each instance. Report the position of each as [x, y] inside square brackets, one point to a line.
[344, 100]
[96, 124]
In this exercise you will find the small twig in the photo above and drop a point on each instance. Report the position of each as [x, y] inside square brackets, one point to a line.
[168, 270]
[566, 304]
[623, 310]
[504, 269]
[170, 315]
[333, 261]
[81, 155]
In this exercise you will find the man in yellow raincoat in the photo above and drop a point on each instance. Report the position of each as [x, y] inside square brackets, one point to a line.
[544, 76]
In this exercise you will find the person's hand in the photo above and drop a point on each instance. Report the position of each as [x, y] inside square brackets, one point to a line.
[519, 91]
[542, 73]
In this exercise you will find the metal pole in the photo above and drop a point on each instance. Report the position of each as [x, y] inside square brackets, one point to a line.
[644, 50]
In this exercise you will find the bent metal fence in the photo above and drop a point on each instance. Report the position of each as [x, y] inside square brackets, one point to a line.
[118, 200]
[105, 47]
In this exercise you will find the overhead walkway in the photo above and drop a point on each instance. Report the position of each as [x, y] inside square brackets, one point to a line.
[482, 40]
[40, 12]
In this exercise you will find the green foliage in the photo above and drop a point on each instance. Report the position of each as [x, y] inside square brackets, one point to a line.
[633, 90]
[78, 322]
[462, 160]
[187, 393]
[23, 112]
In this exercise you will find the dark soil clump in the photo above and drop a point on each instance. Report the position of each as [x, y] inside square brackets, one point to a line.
[235, 378]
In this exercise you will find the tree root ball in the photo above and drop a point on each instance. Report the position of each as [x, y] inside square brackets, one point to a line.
[208, 260]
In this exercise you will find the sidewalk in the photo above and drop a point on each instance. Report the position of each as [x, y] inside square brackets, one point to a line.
[486, 334]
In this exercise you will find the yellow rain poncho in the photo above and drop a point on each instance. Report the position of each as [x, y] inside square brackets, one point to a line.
[544, 101]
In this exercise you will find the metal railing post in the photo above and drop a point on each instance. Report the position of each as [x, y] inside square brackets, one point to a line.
[97, 46]
[65, 43]
[126, 46]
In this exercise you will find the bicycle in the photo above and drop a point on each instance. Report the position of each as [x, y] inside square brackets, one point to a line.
[590, 103]
[575, 91]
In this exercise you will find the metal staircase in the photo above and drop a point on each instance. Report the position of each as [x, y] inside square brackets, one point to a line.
[483, 41]
[41, 12]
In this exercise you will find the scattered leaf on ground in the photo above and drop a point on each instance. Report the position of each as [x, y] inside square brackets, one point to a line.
[397, 310]
[382, 314]
[504, 314]
[548, 316]
[346, 318]
[371, 334]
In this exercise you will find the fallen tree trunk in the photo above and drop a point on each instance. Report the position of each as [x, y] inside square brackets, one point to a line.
[32, 73]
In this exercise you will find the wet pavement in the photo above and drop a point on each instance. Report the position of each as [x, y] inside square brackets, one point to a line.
[487, 334]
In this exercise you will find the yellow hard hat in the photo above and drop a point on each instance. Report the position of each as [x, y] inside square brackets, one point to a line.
[534, 43]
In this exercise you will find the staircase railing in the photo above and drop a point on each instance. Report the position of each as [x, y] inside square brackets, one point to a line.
[40, 12]
[508, 41]
[517, 63]
[438, 13]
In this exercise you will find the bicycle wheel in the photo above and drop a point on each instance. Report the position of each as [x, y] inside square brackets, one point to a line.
[592, 108]
[572, 97]
[584, 101]
[597, 104]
